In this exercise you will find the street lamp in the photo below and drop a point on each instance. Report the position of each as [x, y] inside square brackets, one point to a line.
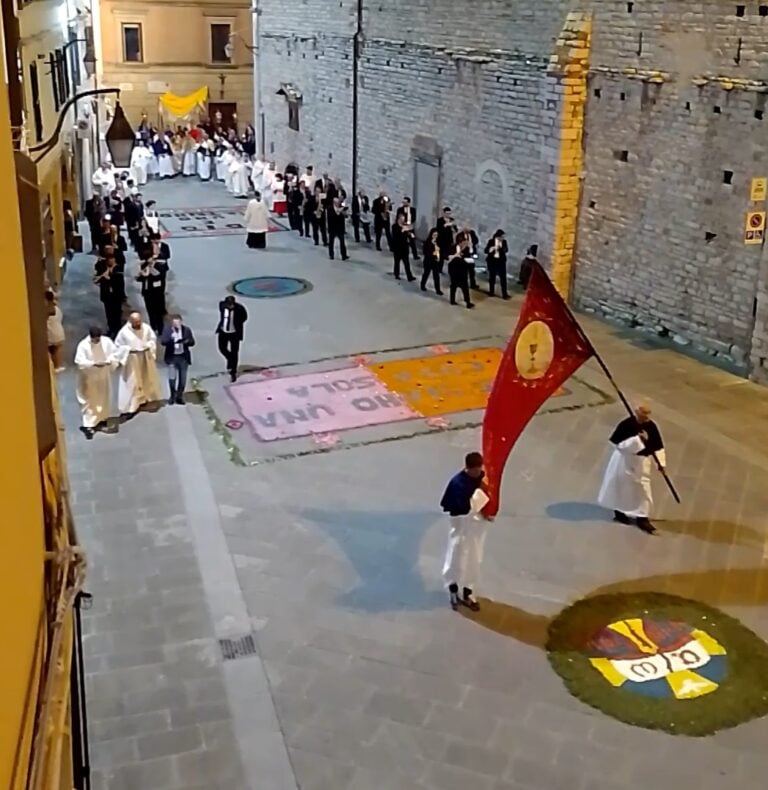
[120, 138]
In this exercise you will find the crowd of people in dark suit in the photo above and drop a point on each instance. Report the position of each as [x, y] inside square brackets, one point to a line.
[318, 209]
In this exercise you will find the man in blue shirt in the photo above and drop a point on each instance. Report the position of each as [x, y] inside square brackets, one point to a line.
[467, 535]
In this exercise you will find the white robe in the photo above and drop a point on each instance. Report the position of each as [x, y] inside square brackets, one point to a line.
[204, 165]
[153, 166]
[239, 178]
[627, 481]
[267, 177]
[229, 171]
[139, 160]
[153, 221]
[257, 175]
[257, 217]
[95, 363]
[222, 163]
[167, 169]
[277, 191]
[104, 181]
[189, 162]
[139, 381]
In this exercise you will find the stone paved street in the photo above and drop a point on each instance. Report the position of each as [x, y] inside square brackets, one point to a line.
[362, 677]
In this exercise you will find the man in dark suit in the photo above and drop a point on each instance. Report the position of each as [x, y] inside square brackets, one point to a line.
[400, 249]
[408, 212]
[337, 229]
[177, 339]
[94, 210]
[381, 223]
[232, 318]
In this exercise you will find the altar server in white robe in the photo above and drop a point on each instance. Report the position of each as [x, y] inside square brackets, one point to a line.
[140, 157]
[267, 177]
[227, 161]
[139, 380]
[96, 357]
[256, 223]
[189, 157]
[204, 161]
[626, 487]
[240, 176]
[104, 180]
[257, 174]
[222, 161]
[164, 155]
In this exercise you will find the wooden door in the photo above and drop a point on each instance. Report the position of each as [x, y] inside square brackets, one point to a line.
[228, 112]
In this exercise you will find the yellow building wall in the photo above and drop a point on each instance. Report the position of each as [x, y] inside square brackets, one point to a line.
[21, 527]
[177, 53]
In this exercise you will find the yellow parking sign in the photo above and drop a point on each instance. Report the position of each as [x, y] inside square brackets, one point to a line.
[758, 190]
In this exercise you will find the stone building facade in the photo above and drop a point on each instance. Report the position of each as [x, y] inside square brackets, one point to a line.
[622, 137]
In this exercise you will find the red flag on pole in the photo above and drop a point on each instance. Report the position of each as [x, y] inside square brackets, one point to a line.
[547, 347]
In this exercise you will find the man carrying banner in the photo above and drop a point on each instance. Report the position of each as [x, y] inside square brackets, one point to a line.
[626, 487]
[463, 500]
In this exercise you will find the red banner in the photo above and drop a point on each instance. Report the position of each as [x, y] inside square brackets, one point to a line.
[547, 347]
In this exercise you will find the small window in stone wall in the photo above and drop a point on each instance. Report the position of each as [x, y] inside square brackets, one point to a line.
[293, 115]
[727, 176]
[762, 10]
[741, 10]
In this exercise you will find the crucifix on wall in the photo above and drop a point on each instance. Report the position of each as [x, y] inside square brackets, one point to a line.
[222, 80]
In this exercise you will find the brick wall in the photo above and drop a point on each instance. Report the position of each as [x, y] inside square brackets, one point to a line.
[660, 234]
[669, 157]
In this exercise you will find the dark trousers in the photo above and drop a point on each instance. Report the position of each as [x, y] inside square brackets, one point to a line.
[229, 346]
[402, 256]
[155, 306]
[462, 285]
[366, 226]
[332, 236]
[431, 266]
[113, 311]
[294, 218]
[414, 250]
[497, 269]
[380, 227]
[307, 226]
[177, 376]
[318, 230]
[472, 274]
[95, 235]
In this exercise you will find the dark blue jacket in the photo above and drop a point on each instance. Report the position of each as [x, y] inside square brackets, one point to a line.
[457, 499]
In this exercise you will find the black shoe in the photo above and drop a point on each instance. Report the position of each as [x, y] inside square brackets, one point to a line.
[453, 591]
[233, 375]
[469, 305]
[180, 400]
[411, 279]
[439, 293]
[416, 257]
[423, 287]
[469, 600]
[88, 432]
[345, 258]
[645, 525]
[172, 400]
[506, 297]
[397, 277]
[621, 518]
[453, 302]
[491, 293]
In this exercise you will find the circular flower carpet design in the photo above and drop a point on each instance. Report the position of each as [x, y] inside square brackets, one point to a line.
[270, 287]
[661, 662]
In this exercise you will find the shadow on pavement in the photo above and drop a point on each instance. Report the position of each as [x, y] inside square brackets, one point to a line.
[578, 511]
[383, 548]
[720, 587]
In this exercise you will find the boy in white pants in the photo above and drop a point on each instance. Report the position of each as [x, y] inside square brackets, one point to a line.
[463, 500]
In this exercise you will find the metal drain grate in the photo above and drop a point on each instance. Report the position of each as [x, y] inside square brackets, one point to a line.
[242, 647]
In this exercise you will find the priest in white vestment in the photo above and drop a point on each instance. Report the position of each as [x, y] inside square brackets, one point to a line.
[103, 180]
[203, 162]
[189, 157]
[267, 177]
[95, 358]
[257, 223]
[139, 380]
[140, 157]
[626, 487]
[257, 174]
[239, 169]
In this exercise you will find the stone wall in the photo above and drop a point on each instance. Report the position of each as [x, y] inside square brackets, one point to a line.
[672, 120]
[670, 152]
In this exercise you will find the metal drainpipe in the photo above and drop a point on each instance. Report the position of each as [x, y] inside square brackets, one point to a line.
[357, 52]
[258, 113]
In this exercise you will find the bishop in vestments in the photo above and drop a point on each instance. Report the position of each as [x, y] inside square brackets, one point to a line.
[626, 487]
[139, 381]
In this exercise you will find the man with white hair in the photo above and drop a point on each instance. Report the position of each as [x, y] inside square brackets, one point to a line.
[139, 381]
[626, 487]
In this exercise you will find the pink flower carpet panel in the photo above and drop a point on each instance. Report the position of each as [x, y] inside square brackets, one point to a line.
[317, 403]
